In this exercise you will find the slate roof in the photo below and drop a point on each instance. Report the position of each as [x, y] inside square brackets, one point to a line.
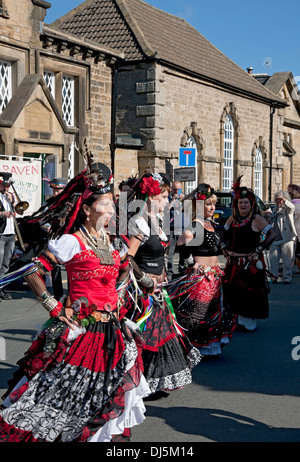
[101, 21]
[50, 31]
[274, 82]
[142, 31]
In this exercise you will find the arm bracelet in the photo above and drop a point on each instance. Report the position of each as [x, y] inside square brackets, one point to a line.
[122, 292]
[189, 262]
[48, 301]
[145, 281]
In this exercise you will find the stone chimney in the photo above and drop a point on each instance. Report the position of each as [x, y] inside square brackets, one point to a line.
[39, 9]
[250, 70]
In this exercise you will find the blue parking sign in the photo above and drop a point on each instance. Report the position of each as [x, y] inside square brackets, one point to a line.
[187, 157]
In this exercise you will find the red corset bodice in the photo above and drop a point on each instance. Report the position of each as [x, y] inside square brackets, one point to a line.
[91, 280]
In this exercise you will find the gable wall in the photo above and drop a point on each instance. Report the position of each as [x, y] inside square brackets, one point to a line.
[160, 105]
[22, 25]
[292, 131]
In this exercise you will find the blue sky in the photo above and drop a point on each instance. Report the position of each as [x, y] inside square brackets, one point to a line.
[245, 31]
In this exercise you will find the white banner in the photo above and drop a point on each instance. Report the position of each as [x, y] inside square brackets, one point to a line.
[27, 178]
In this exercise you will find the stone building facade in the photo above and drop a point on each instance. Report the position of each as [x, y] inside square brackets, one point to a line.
[284, 85]
[56, 90]
[174, 89]
[138, 83]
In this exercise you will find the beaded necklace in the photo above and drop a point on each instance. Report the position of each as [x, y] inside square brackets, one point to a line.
[99, 245]
[207, 223]
[242, 223]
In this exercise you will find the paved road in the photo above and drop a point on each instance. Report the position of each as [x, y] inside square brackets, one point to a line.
[250, 394]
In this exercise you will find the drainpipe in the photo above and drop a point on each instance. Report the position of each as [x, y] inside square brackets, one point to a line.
[273, 108]
[113, 119]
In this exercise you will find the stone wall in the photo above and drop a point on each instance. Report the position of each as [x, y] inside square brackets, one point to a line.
[98, 116]
[20, 20]
[126, 165]
[165, 107]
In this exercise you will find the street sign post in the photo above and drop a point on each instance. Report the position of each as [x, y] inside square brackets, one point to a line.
[187, 157]
[185, 174]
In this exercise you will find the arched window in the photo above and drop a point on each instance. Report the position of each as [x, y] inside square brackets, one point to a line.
[258, 173]
[228, 153]
[190, 185]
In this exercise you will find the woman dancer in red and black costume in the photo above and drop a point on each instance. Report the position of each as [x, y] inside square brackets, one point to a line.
[168, 356]
[244, 285]
[200, 310]
[81, 380]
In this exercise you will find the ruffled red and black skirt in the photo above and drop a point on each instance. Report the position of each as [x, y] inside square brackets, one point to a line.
[74, 387]
[245, 287]
[168, 356]
[201, 312]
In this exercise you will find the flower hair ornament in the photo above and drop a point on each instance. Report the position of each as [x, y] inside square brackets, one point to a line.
[151, 185]
[204, 191]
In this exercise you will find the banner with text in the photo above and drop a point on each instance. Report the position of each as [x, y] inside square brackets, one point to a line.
[27, 178]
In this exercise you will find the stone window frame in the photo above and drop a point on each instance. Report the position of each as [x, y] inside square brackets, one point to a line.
[49, 78]
[228, 153]
[6, 90]
[17, 59]
[229, 110]
[260, 144]
[258, 173]
[80, 75]
[68, 85]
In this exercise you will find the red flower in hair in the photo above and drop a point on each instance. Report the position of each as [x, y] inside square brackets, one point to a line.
[201, 196]
[150, 187]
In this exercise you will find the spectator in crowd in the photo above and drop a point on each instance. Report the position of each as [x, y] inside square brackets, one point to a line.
[294, 191]
[127, 185]
[7, 227]
[283, 246]
[58, 185]
[175, 212]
